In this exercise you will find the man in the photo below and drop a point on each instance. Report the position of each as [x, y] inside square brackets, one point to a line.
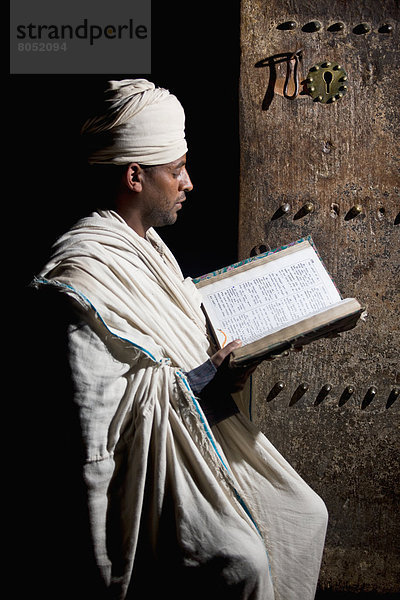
[184, 496]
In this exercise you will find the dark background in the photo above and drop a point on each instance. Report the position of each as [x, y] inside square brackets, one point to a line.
[195, 54]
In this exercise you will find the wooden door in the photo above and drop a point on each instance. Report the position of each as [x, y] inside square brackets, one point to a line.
[331, 170]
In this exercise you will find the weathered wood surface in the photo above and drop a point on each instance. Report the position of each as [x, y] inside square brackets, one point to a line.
[335, 156]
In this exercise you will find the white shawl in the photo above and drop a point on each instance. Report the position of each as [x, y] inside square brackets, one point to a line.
[148, 445]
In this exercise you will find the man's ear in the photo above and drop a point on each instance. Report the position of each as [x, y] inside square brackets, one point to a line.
[133, 177]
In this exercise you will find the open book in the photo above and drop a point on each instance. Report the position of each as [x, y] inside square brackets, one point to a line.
[280, 299]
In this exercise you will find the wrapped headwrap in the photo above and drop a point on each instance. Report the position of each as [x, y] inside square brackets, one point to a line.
[139, 122]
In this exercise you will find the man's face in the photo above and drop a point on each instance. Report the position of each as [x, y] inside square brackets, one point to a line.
[165, 187]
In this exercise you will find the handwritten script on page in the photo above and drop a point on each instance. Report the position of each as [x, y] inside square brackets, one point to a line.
[253, 304]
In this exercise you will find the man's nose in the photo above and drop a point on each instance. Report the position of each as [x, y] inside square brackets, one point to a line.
[186, 183]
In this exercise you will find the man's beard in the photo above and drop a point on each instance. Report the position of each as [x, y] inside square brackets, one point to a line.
[161, 217]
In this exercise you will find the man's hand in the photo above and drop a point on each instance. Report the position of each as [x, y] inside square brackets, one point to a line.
[219, 357]
[231, 379]
[234, 378]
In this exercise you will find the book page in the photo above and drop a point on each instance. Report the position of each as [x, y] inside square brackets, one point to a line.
[271, 296]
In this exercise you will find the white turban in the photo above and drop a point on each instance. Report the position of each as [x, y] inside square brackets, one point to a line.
[139, 123]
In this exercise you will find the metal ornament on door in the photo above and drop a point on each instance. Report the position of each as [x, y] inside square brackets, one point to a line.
[327, 82]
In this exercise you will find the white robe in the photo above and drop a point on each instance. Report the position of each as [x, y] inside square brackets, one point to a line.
[218, 511]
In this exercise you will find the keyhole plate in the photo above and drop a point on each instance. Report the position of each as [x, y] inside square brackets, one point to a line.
[327, 82]
[328, 79]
